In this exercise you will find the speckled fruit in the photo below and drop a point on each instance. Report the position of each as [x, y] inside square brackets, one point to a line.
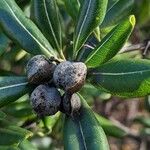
[70, 76]
[71, 104]
[39, 70]
[45, 100]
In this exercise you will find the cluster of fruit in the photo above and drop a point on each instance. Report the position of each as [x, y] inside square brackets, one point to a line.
[50, 78]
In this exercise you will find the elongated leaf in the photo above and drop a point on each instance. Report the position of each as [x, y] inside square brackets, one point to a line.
[111, 43]
[110, 128]
[46, 15]
[2, 115]
[4, 42]
[10, 137]
[19, 28]
[117, 12]
[26, 145]
[84, 132]
[9, 148]
[25, 133]
[11, 88]
[72, 7]
[127, 78]
[91, 15]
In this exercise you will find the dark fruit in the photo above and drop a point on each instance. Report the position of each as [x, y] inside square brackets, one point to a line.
[39, 70]
[70, 76]
[45, 100]
[71, 104]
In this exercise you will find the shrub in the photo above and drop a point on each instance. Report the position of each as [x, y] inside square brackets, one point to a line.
[83, 47]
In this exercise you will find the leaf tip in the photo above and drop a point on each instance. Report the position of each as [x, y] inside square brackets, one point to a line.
[132, 20]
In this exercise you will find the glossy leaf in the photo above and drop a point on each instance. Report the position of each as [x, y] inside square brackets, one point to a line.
[91, 15]
[111, 43]
[11, 137]
[110, 128]
[126, 78]
[45, 13]
[26, 145]
[4, 43]
[72, 7]
[117, 12]
[11, 88]
[22, 30]
[20, 130]
[20, 109]
[83, 131]
[2, 115]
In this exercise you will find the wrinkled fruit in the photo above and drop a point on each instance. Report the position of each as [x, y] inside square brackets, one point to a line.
[71, 104]
[39, 70]
[70, 76]
[45, 100]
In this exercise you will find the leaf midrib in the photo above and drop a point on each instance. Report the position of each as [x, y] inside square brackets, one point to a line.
[82, 135]
[50, 24]
[13, 85]
[82, 25]
[120, 74]
[25, 28]
[98, 48]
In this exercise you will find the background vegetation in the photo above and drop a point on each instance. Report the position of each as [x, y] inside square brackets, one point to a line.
[125, 121]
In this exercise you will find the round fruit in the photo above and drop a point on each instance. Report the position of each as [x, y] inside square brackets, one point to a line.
[70, 76]
[39, 70]
[45, 100]
[71, 104]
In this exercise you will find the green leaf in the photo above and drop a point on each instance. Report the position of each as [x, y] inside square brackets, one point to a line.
[25, 133]
[83, 131]
[111, 43]
[2, 115]
[143, 120]
[45, 13]
[117, 12]
[8, 148]
[145, 132]
[4, 43]
[26, 145]
[22, 30]
[10, 137]
[72, 7]
[20, 109]
[110, 128]
[91, 15]
[11, 88]
[126, 78]
[50, 121]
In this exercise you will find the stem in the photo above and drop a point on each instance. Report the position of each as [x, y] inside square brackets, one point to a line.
[62, 55]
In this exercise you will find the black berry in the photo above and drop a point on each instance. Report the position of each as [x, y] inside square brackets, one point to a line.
[39, 70]
[71, 104]
[70, 76]
[45, 100]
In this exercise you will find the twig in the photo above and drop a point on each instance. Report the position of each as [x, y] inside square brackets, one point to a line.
[140, 46]
[146, 48]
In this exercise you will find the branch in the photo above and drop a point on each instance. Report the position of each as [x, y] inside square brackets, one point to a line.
[141, 46]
